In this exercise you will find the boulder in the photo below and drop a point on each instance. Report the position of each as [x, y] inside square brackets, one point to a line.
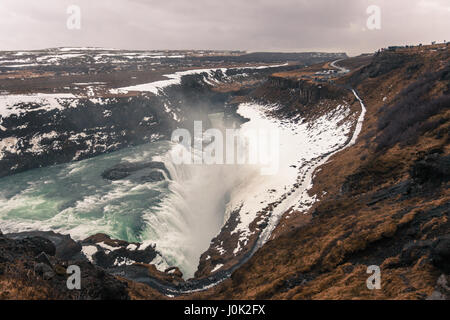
[112, 253]
[123, 170]
[442, 289]
[437, 251]
[153, 176]
[65, 247]
[102, 237]
[433, 168]
[43, 258]
[174, 271]
[38, 245]
[45, 270]
[441, 253]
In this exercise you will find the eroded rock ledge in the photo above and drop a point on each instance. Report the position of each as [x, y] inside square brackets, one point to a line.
[33, 265]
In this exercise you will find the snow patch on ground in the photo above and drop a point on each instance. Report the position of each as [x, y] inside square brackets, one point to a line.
[217, 267]
[89, 251]
[156, 86]
[121, 261]
[303, 147]
[175, 79]
[16, 104]
[9, 145]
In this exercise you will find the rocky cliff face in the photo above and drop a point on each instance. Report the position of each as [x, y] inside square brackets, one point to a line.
[81, 128]
[34, 266]
[307, 92]
[43, 129]
[298, 97]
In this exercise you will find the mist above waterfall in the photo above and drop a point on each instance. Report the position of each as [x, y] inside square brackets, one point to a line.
[195, 211]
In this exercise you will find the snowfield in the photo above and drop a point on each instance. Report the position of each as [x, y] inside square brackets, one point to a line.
[13, 104]
[303, 148]
[175, 79]
[156, 86]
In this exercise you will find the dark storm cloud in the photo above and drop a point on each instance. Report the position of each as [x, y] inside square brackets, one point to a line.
[288, 25]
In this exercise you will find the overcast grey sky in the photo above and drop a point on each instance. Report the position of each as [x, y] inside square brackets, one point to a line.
[255, 25]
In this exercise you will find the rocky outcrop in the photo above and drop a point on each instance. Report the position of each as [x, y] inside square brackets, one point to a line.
[432, 168]
[385, 62]
[132, 261]
[124, 170]
[442, 289]
[307, 92]
[64, 246]
[31, 269]
[437, 251]
[110, 268]
[110, 253]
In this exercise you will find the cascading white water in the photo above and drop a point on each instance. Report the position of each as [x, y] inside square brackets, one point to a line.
[192, 214]
[179, 217]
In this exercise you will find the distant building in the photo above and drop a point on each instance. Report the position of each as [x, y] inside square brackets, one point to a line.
[393, 48]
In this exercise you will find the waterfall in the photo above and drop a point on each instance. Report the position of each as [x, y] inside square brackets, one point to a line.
[192, 214]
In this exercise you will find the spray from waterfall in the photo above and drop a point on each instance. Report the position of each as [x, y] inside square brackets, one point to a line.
[195, 210]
